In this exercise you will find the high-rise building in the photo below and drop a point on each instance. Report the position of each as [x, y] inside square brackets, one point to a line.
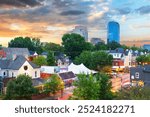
[95, 41]
[81, 30]
[113, 33]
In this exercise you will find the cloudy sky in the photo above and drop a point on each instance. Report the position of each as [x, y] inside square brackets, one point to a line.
[50, 19]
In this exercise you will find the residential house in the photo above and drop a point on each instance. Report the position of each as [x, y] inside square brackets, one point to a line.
[32, 55]
[10, 69]
[140, 74]
[19, 65]
[10, 53]
[121, 59]
[135, 54]
[118, 58]
[62, 60]
[47, 71]
[68, 78]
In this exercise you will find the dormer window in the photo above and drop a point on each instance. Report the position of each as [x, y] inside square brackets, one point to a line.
[137, 75]
[25, 68]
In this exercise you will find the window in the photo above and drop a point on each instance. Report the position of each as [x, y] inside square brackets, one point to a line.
[137, 75]
[129, 63]
[12, 74]
[4, 73]
[35, 73]
[116, 64]
[25, 67]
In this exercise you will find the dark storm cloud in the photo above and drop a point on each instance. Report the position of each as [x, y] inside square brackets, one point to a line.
[144, 9]
[20, 3]
[72, 12]
[53, 12]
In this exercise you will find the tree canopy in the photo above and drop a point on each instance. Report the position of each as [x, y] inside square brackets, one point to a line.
[20, 88]
[40, 60]
[33, 44]
[53, 84]
[92, 87]
[113, 45]
[141, 60]
[134, 93]
[94, 60]
[50, 59]
[53, 47]
[101, 46]
[74, 44]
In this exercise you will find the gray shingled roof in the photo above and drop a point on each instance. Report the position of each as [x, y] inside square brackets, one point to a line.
[67, 75]
[16, 51]
[4, 64]
[15, 64]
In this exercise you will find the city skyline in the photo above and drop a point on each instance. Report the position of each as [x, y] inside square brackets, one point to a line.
[50, 19]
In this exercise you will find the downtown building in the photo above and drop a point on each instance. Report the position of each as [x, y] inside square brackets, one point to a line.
[81, 30]
[95, 41]
[113, 32]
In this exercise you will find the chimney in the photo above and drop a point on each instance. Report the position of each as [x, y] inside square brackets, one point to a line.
[14, 57]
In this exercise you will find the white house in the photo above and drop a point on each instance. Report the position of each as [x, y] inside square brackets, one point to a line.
[19, 65]
[121, 58]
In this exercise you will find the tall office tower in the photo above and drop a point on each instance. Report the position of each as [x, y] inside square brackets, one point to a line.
[113, 33]
[81, 30]
[95, 41]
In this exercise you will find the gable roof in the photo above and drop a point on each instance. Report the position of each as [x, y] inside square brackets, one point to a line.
[4, 64]
[118, 50]
[15, 64]
[16, 51]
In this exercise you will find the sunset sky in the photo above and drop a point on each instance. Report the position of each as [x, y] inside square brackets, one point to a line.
[50, 19]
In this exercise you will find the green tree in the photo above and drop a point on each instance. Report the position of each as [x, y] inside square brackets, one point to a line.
[37, 45]
[107, 69]
[40, 60]
[105, 87]
[134, 93]
[125, 47]
[50, 59]
[74, 44]
[53, 47]
[33, 44]
[141, 60]
[94, 60]
[20, 88]
[87, 88]
[92, 87]
[21, 42]
[53, 84]
[101, 46]
[113, 45]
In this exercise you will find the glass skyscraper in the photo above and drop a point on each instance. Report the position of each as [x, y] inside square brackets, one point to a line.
[113, 33]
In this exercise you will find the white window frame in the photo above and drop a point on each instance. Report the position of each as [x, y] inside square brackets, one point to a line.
[137, 75]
